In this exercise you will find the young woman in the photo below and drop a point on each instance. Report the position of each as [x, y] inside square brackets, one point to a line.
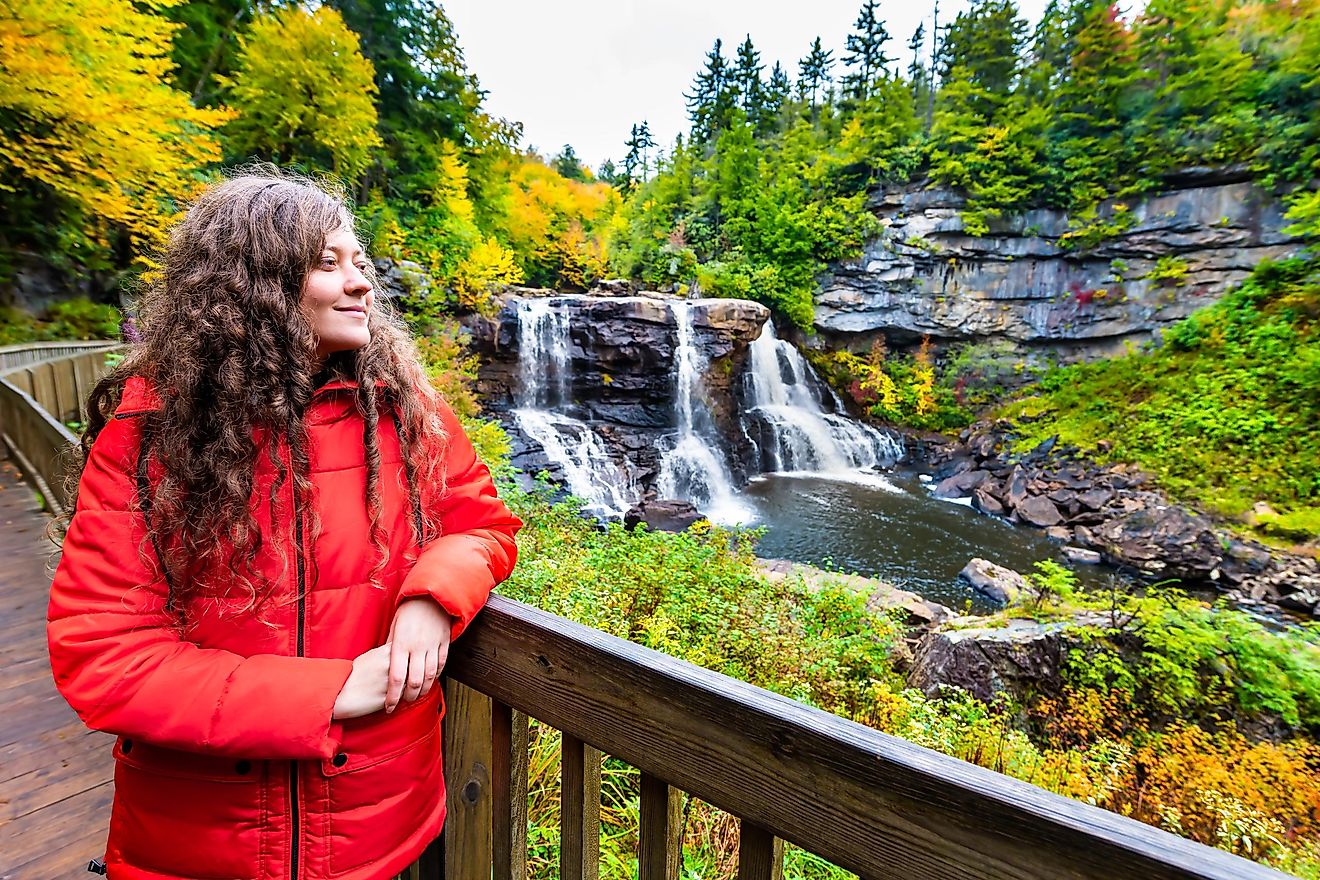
[279, 529]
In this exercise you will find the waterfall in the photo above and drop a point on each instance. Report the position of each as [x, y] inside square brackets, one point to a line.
[796, 434]
[544, 371]
[545, 376]
[693, 466]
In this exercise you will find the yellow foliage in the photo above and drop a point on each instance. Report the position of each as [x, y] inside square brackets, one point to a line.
[488, 265]
[451, 186]
[304, 91]
[87, 113]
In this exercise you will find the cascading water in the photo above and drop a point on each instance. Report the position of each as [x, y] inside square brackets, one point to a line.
[545, 378]
[791, 430]
[693, 467]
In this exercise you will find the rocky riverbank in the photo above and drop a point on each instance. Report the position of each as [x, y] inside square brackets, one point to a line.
[1113, 513]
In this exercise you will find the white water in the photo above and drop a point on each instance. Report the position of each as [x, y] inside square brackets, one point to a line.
[692, 467]
[802, 437]
[591, 473]
[545, 375]
[544, 370]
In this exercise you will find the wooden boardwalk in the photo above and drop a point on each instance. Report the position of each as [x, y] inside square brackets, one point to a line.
[55, 775]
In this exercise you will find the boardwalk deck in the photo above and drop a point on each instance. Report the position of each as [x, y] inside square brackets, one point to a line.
[55, 775]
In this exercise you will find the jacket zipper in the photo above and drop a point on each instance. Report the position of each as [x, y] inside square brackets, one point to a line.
[301, 648]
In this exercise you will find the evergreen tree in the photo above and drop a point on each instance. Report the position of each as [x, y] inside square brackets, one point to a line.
[424, 93]
[206, 46]
[983, 46]
[746, 80]
[866, 58]
[814, 74]
[568, 164]
[608, 173]
[632, 160]
[917, 75]
[778, 91]
[712, 97]
[1091, 106]
[1047, 61]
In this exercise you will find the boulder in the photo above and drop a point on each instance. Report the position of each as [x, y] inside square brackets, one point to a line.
[1062, 534]
[1039, 511]
[1082, 556]
[1009, 661]
[987, 503]
[662, 515]
[994, 581]
[1163, 540]
[961, 484]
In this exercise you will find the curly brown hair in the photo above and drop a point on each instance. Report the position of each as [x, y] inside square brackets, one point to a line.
[232, 358]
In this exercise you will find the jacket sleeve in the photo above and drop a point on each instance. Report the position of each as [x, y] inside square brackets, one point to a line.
[120, 660]
[476, 549]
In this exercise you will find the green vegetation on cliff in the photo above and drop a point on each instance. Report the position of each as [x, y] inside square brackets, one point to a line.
[1225, 414]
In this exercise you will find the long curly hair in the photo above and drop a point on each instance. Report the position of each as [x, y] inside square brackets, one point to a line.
[232, 357]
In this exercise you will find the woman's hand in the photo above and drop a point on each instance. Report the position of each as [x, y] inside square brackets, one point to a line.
[364, 691]
[419, 647]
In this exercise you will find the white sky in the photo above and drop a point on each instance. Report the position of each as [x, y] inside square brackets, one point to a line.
[583, 71]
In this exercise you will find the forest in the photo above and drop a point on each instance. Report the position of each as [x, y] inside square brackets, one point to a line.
[1195, 717]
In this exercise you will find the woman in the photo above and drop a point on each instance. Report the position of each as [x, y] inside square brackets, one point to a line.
[279, 529]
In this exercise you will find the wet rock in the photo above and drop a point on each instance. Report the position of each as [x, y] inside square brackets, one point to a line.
[1016, 490]
[1039, 511]
[1000, 584]
[1059, 533]
[961, 484]
[985, 501]
[662, 515]
[1082, 556]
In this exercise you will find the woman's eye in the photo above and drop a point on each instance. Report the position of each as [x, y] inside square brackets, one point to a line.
[327, 262]
[362, 267]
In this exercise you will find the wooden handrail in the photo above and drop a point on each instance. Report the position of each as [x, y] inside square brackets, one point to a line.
[43, 385]
[866, 801]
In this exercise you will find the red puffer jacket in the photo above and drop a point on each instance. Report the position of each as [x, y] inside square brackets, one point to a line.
[228, 763]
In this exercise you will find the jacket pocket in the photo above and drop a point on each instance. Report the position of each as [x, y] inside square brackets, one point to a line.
[188, 815]
[383, 787]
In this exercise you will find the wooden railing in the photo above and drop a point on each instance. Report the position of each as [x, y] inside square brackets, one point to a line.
[42, 386]
[868, 802]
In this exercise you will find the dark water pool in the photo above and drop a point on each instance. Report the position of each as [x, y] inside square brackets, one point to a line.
[893, 528]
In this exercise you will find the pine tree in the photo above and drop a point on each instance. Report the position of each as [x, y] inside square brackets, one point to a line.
[568, 165]
[983, 46]
[747, 80]
[866, 58]
[917, 76]
[646, 142]
[712, 96]
[814, 74]
[632, 160]
[778, 91]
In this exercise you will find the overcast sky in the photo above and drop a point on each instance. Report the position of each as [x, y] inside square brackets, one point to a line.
[583, 71]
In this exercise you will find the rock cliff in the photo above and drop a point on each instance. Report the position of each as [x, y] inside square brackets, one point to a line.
[1023, 282]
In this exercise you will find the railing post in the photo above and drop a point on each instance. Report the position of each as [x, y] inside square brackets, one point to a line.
[760, 853]
[579, 836]
[467, 747]
[660, 848]
[508, 785]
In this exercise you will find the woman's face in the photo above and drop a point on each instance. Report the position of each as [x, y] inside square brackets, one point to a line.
[337, 297]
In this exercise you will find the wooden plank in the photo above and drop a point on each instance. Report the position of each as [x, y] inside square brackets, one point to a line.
[579, 799]
[660, 847]
[760, 854]
[467, 748]
[866, 801]
[508, 784]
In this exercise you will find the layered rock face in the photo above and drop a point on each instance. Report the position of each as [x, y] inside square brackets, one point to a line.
[621, 352]
[1022, 283]
[614, 361]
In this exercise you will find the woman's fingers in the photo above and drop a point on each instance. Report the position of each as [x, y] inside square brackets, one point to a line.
[398, 676]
